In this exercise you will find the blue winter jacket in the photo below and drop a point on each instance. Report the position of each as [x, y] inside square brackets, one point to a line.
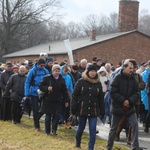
[34, 77]
[68, 80]
[144, 96]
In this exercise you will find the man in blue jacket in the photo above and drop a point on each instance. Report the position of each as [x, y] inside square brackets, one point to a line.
[33, 79]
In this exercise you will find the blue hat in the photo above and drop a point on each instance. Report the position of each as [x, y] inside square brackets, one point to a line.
[50, 60]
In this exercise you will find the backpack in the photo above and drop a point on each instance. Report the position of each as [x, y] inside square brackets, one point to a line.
[40, 93]
[34, 75]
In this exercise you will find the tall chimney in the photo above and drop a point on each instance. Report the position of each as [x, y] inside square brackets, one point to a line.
[128, 15]
[93, 35]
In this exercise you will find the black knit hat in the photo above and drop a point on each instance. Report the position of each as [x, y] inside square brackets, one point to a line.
[41, 61]
[91, 67]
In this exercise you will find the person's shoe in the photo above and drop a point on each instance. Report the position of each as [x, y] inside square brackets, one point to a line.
[54, 132]
[14, 122]
[146, 130]
[38, 129]
[140, 148]
[67, 125]
[117, 137]
[97, 131]
[60, 122]
[77, 146]
[128, 142]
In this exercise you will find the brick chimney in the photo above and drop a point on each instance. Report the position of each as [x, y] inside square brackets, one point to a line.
[128, 15]
[93, 35]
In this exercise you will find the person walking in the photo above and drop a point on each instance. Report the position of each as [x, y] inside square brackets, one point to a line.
[147, 120]
[34, 77]
[124, 94]
[144, 96]
[64, 71]
[6, 102]
[16, 85]
[56, 95]
[88, 103]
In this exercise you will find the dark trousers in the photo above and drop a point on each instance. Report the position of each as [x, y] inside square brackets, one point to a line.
[16, 111]
[35, 108]
[5, 109]
[124, 122]
[147, 121]
[54, 119]
[132, 119]
[65, 113]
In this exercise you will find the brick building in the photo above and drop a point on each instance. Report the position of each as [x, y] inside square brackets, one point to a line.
[128, 43]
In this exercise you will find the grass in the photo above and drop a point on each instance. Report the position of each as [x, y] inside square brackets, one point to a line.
[24, 137]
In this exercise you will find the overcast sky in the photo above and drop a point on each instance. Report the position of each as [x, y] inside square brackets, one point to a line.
[76, 10]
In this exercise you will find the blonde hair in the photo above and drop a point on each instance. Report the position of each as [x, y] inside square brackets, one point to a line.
[83, 61]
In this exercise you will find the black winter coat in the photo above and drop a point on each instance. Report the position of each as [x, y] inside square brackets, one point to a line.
[124, 88]
[59, 95]
[16, 85]
[88, 98]
[4, 78]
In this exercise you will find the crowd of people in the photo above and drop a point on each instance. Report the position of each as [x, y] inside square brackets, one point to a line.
[118, 95]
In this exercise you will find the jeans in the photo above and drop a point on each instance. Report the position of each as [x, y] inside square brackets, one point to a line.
[54, 119]
[35, 108]
[92, 130]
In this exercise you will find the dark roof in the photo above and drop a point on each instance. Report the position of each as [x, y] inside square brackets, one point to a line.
[59, 47]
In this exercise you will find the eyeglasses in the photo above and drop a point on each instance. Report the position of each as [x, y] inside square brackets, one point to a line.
[42, 65]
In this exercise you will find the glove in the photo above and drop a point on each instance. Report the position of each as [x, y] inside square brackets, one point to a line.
[106, 82]
[73, 120]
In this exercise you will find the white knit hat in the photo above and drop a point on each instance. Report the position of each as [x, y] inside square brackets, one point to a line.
[56, 66]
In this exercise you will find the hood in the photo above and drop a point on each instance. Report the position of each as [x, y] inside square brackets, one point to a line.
[102, 69]
[61, 71]
[95, 80]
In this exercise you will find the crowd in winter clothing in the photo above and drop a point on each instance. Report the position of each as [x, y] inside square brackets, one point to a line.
[86, 90]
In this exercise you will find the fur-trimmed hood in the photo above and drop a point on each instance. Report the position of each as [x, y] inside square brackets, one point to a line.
[94, 80]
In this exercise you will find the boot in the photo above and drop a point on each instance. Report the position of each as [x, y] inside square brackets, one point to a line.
[67, 125]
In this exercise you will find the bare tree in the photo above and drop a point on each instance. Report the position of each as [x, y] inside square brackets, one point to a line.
[112, 23]
[16, 13]
[73, 30]
[56, 30]
[144, 22]
[102, 24]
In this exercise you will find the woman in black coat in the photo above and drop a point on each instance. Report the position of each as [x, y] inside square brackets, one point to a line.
[55, 96]
[88, 103]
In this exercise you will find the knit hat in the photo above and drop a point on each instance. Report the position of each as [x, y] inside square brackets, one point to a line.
[9, 63]
[98, 59]
[94, 58]
[56, 66]
[92, 67]
[15, 67]
[50, 60]
[41, 61]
